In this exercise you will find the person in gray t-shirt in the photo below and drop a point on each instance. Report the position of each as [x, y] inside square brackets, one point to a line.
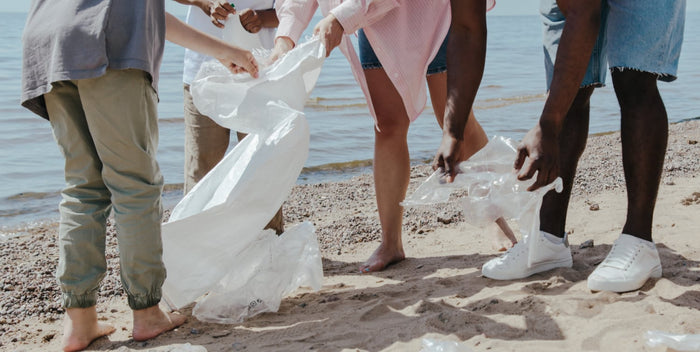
[91, 68]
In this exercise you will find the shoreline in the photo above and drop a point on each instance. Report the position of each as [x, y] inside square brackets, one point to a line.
[436, 292]
[22, 220]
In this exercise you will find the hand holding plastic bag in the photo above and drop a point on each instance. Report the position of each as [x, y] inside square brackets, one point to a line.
[493, 190]
[214, 240]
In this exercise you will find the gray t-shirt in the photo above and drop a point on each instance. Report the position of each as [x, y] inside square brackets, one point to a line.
[78, 39]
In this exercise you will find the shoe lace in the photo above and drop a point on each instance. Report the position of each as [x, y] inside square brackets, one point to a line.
[620, 257]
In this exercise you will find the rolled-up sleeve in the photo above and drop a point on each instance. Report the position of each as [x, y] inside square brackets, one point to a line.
[355, 14]
[294, 16]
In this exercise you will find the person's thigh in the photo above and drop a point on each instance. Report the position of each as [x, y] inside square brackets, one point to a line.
[553, 21]
[646, 35]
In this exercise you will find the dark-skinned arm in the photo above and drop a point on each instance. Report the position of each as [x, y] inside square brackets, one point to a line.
[539, 150]
[466, 53]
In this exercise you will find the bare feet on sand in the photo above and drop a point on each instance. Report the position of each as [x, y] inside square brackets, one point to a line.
[80, 328]
[152, 321]
[382, 257]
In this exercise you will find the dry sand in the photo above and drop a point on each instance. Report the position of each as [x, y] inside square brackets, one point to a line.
[437, 292]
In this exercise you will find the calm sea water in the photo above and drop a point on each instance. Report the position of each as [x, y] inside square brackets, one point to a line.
[508, 103]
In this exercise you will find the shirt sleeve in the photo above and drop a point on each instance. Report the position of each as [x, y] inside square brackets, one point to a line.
[294, 16]
[355, 14]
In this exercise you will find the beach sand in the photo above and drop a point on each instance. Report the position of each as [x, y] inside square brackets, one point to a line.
[437, 292]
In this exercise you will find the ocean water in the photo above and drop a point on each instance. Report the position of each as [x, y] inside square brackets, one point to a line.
[508, 103]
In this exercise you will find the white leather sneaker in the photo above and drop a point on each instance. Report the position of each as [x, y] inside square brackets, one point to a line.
[630, 263]
[513, 264]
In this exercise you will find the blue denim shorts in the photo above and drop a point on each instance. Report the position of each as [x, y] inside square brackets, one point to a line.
[369, 59]
[641, 35]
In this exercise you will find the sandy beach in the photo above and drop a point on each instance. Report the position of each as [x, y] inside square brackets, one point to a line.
[437, 292]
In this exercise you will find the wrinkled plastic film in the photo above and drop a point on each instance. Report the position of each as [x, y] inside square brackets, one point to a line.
[678, 342]
[492, 187]
[214, 241]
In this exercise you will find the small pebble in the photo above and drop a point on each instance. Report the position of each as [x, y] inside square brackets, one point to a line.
[194, 331]
[586, 244]
[221, 333]
[237, 346]
[594, 207]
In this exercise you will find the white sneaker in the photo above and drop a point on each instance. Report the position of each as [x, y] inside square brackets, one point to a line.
[513, 264]
[630, 263]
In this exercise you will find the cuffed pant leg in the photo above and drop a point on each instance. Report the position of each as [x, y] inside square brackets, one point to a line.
[206, 142]
[86, 200]
[121, 111]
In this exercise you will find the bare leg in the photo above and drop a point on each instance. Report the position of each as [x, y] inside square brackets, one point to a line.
[475, 138]
[391, 168]
[80, 328]
[644, 140]
[572, 141]
[474, 134]
[152, 321]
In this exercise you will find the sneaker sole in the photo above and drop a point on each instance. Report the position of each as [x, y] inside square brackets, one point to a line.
[536, 269]
[594, 285]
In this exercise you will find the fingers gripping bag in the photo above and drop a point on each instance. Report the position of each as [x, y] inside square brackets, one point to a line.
[214, 247]
[493, 190]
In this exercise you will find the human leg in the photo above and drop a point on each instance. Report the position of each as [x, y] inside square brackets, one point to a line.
[391, 167]
[474, 134]
[643, 49]
[475, 139]
[120, 108]
[84, 211]
[205, 142]
[573, 142]
[634, 258]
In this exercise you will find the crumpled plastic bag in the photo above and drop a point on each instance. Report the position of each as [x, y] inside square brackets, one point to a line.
[271, 268]
[492, 187]
[432, 345]
[212, 234]
[677, 342]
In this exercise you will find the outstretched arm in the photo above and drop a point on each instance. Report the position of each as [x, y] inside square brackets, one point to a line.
[234, 58]
[539, 150]
[466, 53]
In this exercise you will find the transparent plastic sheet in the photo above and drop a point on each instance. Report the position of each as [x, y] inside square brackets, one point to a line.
[210, 238]
[677, 342]
[492, 187]
[432, 345]
[269, 268]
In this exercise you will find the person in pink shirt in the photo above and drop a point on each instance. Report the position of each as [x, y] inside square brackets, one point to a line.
[391, 72]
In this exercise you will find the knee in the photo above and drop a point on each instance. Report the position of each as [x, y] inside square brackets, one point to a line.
[391, 126]
[635, 89]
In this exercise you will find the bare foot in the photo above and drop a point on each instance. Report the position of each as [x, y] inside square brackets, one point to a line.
[152, 321]
[80, 328]
[382, 257]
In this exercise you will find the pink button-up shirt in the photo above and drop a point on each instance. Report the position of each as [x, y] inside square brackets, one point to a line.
[404, 34]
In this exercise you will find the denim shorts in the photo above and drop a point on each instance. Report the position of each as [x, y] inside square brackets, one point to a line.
[369, 59]
[641, 35]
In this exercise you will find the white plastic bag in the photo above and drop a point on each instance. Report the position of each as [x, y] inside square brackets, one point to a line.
[492, 187]
[432, 345]
[269, 269]
[238, 101]
[211, 234]
[677, 342]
